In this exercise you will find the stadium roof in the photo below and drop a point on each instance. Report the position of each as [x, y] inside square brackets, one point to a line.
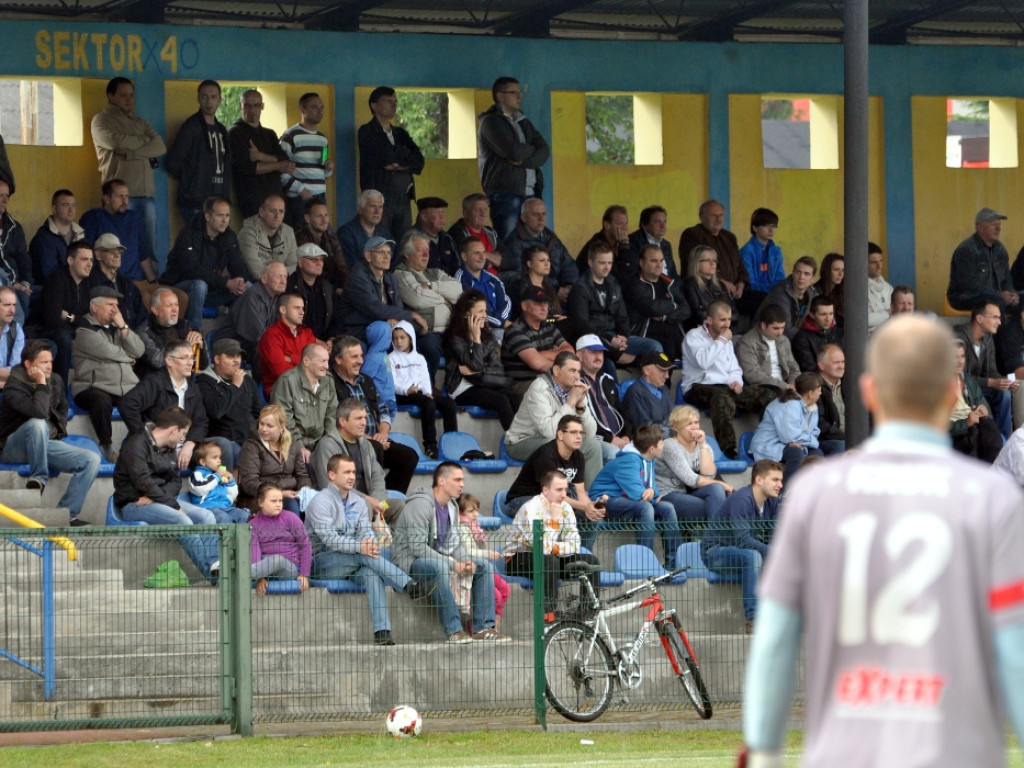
[893, 22]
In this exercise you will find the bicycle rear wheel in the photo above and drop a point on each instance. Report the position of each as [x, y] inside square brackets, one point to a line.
[685, 667]
[579, 671]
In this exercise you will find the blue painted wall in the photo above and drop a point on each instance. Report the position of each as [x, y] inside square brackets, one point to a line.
[345, 60]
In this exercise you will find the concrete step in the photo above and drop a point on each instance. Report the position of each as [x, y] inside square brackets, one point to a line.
[346, 679]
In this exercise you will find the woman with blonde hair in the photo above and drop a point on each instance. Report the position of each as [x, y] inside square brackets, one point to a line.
[269, 455]
[702, 287]
[686, 472]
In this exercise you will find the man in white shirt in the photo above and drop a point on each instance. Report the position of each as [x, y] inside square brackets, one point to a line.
[713, 379]
[879, 290]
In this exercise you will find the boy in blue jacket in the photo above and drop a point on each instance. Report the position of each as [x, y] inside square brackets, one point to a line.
[627, 483]
[739, 532]
[212, 487]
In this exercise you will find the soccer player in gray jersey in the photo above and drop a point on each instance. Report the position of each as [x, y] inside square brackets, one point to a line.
[901, 564]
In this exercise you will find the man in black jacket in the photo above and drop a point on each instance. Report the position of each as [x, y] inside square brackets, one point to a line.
[15, 262]
[308, 281]
[66, 303]
[388, 160]
[596, 306]
[33, 422]
[832, 405]
[231, 399]
[511, 154]
[656, 304]
[399, 460]
[257, 160]
[147, 484]
[201, 254]
[162, 389]
[162, 326]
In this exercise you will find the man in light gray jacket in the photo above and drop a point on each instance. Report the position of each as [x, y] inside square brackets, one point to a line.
[560, 392]
[104, 350]
[349, 439]
[427, 546]
[765, 354]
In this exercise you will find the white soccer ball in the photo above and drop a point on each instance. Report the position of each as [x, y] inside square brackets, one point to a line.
[404, 722]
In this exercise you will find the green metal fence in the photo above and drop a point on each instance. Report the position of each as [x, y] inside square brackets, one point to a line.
[131, 656]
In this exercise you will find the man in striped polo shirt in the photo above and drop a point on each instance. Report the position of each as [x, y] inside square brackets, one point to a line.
[307, 148]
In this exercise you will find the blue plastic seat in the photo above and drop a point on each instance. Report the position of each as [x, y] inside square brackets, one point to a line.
[623, 386]
[412, 410]
[424, 465]
[87, 443]
[479, 413]
[500, 511]
[76, 410]
[744, 447]
[723, 464]
[607, 578]
[114, 515]
[211, 313]
[689, 554]
[680, 400]
[336, 586]
[21, 469]
[503, 453]
[454, 445]
[636, 561]
[281, 586]
[489, 523]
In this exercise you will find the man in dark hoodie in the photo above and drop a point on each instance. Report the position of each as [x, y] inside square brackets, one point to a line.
[199, 158]
[201, 254]
[511, 153]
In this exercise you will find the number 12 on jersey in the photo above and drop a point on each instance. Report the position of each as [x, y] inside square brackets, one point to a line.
[889, 617]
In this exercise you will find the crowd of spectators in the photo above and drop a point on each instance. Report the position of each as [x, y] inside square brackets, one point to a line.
[337, 330]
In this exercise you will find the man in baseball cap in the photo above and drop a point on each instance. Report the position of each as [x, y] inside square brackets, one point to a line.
[106, 271]
[309, 282]
[231, 399]
[648, 400]
[613, 428]
[980, 268]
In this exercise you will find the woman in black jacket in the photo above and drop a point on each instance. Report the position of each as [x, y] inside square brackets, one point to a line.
[702, 287]
[474, 374]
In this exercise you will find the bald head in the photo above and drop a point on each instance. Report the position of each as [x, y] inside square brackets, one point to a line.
[911, 372]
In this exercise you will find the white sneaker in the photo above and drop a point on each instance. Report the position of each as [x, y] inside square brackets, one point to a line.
[215, 568]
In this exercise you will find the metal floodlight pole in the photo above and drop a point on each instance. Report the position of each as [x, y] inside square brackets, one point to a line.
[855, 200]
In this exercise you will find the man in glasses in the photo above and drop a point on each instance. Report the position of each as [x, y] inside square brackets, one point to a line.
[511, 152]
[257, 159]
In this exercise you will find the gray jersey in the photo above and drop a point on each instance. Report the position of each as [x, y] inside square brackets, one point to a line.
[903, 559]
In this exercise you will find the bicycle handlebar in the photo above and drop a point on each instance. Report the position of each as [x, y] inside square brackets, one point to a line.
[648, 583]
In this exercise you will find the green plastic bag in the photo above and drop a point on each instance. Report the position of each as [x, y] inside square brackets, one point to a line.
[167, 575]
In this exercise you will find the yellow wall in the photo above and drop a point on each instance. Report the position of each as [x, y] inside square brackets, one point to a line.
[180, 103]
[41, 171]
[947, 199]
[450, 180]
[809, 202]
[583, 191]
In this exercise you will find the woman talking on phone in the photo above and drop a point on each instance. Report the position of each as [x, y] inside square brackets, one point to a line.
[474, 374]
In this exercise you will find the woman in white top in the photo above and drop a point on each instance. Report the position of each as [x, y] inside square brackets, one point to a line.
[686, 473]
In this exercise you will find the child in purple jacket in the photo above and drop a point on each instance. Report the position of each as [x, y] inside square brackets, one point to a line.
[280, 544]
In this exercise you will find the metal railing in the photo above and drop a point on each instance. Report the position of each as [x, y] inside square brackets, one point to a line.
[123, 655]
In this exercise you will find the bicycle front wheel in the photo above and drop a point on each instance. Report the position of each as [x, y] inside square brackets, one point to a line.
[579, 671]
[685, 668]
